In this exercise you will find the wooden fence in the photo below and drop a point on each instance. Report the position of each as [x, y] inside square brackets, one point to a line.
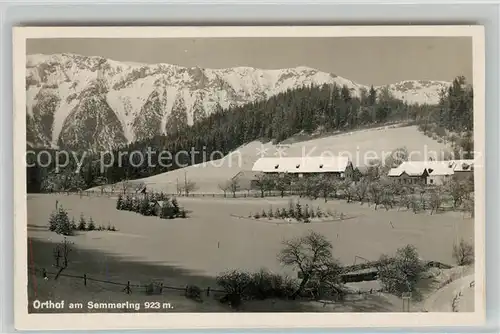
[98, 193]
[128, 287]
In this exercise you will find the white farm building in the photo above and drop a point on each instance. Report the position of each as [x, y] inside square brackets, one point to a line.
[431, 172]
[304, 166]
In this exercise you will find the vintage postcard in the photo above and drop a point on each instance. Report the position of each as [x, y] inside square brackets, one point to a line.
[249, 177]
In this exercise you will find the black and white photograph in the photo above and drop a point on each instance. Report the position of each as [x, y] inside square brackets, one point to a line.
[283, 170]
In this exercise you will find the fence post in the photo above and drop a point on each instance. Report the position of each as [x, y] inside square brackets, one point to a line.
[127, 288]
[85, 279]
[208, 292]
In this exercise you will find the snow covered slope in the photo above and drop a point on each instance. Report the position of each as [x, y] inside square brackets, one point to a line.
[357, 146]
[85, 102]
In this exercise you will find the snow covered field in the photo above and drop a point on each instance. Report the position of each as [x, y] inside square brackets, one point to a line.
[210, 241]
[246, 244]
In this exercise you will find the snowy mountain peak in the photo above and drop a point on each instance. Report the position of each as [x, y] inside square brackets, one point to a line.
[80, 102]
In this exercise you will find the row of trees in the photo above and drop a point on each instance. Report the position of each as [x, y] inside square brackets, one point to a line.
[154, 204]
[298, 212]
[60, 223]
[374, 188]
[453, 118]
[321, 273]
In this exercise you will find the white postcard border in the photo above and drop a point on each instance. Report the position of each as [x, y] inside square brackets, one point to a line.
[26, 321]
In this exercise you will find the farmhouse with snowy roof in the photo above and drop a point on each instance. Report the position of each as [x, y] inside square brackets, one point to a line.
[305, 166]
[431, 172]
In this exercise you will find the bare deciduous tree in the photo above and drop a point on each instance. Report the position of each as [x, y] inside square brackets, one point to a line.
[102, 183]
[263, 182]
[375, 191]
[310, 254]
[179, 188]
[469, 206]
[421, 190]
[125, 185]
[282, 183]
[375, 169]
[436, 200]
[457, 191]
[361, 190]
[405, 198]
[189, 186]
[327, 186]
[401, 273]
[463, 253]
[311, 186]
[234, 186]
[348, 188]
[224, 186]
[396, 158]
[234, 283]
[61, 252]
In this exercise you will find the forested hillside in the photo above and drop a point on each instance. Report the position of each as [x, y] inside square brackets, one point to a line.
[312, 109]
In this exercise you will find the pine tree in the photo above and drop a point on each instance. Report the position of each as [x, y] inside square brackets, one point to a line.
[291, 209]
[145, 207]
[128, 205]
[119, 202]
[63, 224]
[277, 213]
[53, 221]
[298, 211]
[372, 97]
[73, 224]
[467, 145]
[166, 211]
[82, 225]
[306, 211]
[319, 213]
[91, 226]
[136, 204]
[381, 113]
[270, 213]
[175, 207]
[312, 213]
[283, 213]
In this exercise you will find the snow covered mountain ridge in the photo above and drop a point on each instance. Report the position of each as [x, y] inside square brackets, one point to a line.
[82, 102]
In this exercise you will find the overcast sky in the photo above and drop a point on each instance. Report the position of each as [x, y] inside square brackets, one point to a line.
[366, 60]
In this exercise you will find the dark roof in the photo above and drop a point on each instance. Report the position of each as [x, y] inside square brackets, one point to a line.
[247, 174]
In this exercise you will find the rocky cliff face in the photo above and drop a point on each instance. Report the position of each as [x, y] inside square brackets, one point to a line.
[81, 102]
